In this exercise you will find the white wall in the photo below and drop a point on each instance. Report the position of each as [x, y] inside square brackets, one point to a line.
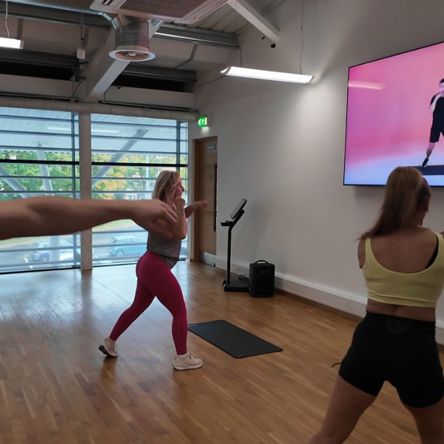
[281, 146]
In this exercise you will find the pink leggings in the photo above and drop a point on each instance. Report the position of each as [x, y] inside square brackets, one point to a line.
[154, 278]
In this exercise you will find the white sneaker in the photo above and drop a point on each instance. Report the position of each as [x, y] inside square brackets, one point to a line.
[187, 362]
[109, 348]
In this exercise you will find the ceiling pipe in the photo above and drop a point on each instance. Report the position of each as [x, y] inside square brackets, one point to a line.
[61, 6]
[56, 13]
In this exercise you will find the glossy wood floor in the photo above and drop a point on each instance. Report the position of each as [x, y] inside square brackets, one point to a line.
[55, 387]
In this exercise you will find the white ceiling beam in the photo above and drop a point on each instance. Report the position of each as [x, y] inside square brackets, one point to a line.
[102, 70]
[256, 19]
[154, 26]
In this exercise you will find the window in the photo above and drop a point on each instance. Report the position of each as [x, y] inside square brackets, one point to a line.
[38, 156]
[128, 153]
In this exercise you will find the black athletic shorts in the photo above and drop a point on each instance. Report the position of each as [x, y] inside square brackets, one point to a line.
[398, 350]
[435, 132]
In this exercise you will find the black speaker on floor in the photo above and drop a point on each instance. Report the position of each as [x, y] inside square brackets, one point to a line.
[261, 279]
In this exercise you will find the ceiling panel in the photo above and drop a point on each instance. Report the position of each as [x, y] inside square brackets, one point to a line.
[53, 27]
[224, 19]
[227, 20]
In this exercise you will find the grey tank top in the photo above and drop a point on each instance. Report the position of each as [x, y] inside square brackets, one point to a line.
[167, 249]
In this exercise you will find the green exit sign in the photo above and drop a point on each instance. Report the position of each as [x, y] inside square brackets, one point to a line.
[202, 121]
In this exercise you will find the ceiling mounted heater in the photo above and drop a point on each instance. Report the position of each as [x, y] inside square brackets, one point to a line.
[132, 42]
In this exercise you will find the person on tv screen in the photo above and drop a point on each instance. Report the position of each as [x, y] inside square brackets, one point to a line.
[437, 108]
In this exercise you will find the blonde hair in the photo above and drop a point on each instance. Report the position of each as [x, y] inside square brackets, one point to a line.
[406, 193]
[164, 182]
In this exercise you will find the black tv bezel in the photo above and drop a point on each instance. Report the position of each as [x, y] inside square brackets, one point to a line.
[346, 112]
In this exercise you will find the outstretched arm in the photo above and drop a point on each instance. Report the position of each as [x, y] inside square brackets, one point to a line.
[54, 215]
[194, 206]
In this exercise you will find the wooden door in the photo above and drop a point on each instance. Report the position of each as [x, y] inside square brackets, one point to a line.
[205, 188]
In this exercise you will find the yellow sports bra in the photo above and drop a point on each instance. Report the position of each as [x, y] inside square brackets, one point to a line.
[420, 289]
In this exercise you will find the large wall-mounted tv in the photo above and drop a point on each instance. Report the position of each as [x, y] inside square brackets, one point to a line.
[394, 111]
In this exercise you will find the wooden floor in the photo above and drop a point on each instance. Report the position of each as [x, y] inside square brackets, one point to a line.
[55, 387]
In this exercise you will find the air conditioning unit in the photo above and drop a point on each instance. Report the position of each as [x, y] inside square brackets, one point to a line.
[179, 11]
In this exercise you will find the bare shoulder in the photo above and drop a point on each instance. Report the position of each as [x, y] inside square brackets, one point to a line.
[430, 234]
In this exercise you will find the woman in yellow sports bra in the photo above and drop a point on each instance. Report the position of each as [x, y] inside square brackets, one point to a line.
[403, 266]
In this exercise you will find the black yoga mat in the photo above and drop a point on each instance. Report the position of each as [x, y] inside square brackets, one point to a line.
[233, 340]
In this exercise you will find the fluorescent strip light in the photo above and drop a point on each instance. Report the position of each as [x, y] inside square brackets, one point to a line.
[11, 43]
[276, 76]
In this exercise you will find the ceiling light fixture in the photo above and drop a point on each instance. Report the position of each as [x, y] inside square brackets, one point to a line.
[8, 42]
[277, 76]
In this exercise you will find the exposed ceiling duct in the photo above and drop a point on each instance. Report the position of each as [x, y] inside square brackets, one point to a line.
[132, 40]
[76, 6]
[185, 11]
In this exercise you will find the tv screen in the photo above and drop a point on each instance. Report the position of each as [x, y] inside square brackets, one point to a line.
[395, 111]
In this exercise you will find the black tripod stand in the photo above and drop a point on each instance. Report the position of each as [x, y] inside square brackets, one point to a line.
[234, 284]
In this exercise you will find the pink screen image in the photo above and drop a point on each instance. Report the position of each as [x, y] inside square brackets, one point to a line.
[389, 116]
